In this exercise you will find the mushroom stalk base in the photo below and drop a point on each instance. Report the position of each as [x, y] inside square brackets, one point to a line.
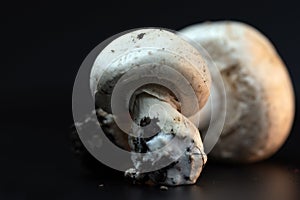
[162, 136]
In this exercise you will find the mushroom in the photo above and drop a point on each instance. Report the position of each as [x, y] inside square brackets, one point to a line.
[260, 99]
[148, 83]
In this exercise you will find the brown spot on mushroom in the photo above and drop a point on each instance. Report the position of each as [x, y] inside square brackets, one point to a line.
[177, 119]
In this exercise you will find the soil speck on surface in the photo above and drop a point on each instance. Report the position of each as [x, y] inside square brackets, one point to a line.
[141, 35]
[164, 188]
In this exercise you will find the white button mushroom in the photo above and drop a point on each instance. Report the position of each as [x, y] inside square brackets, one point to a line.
[260, 99]
[159, 108]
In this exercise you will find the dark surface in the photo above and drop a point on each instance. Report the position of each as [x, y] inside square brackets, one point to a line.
[43, 47]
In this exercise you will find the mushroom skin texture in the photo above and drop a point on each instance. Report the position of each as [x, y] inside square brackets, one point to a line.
[259, 93]
[176, 138]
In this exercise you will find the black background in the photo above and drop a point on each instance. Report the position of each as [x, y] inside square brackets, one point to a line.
[43, 45]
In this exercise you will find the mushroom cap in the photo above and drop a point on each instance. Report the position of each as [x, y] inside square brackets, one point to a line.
[155, 48]
[260, 98]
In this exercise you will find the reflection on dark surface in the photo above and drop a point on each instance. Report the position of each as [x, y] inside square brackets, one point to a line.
[61, 177]
[257, 181]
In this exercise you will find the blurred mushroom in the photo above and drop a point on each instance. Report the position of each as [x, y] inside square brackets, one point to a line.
[260, 99]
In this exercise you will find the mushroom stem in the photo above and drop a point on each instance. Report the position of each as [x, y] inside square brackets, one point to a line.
[164, 135]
